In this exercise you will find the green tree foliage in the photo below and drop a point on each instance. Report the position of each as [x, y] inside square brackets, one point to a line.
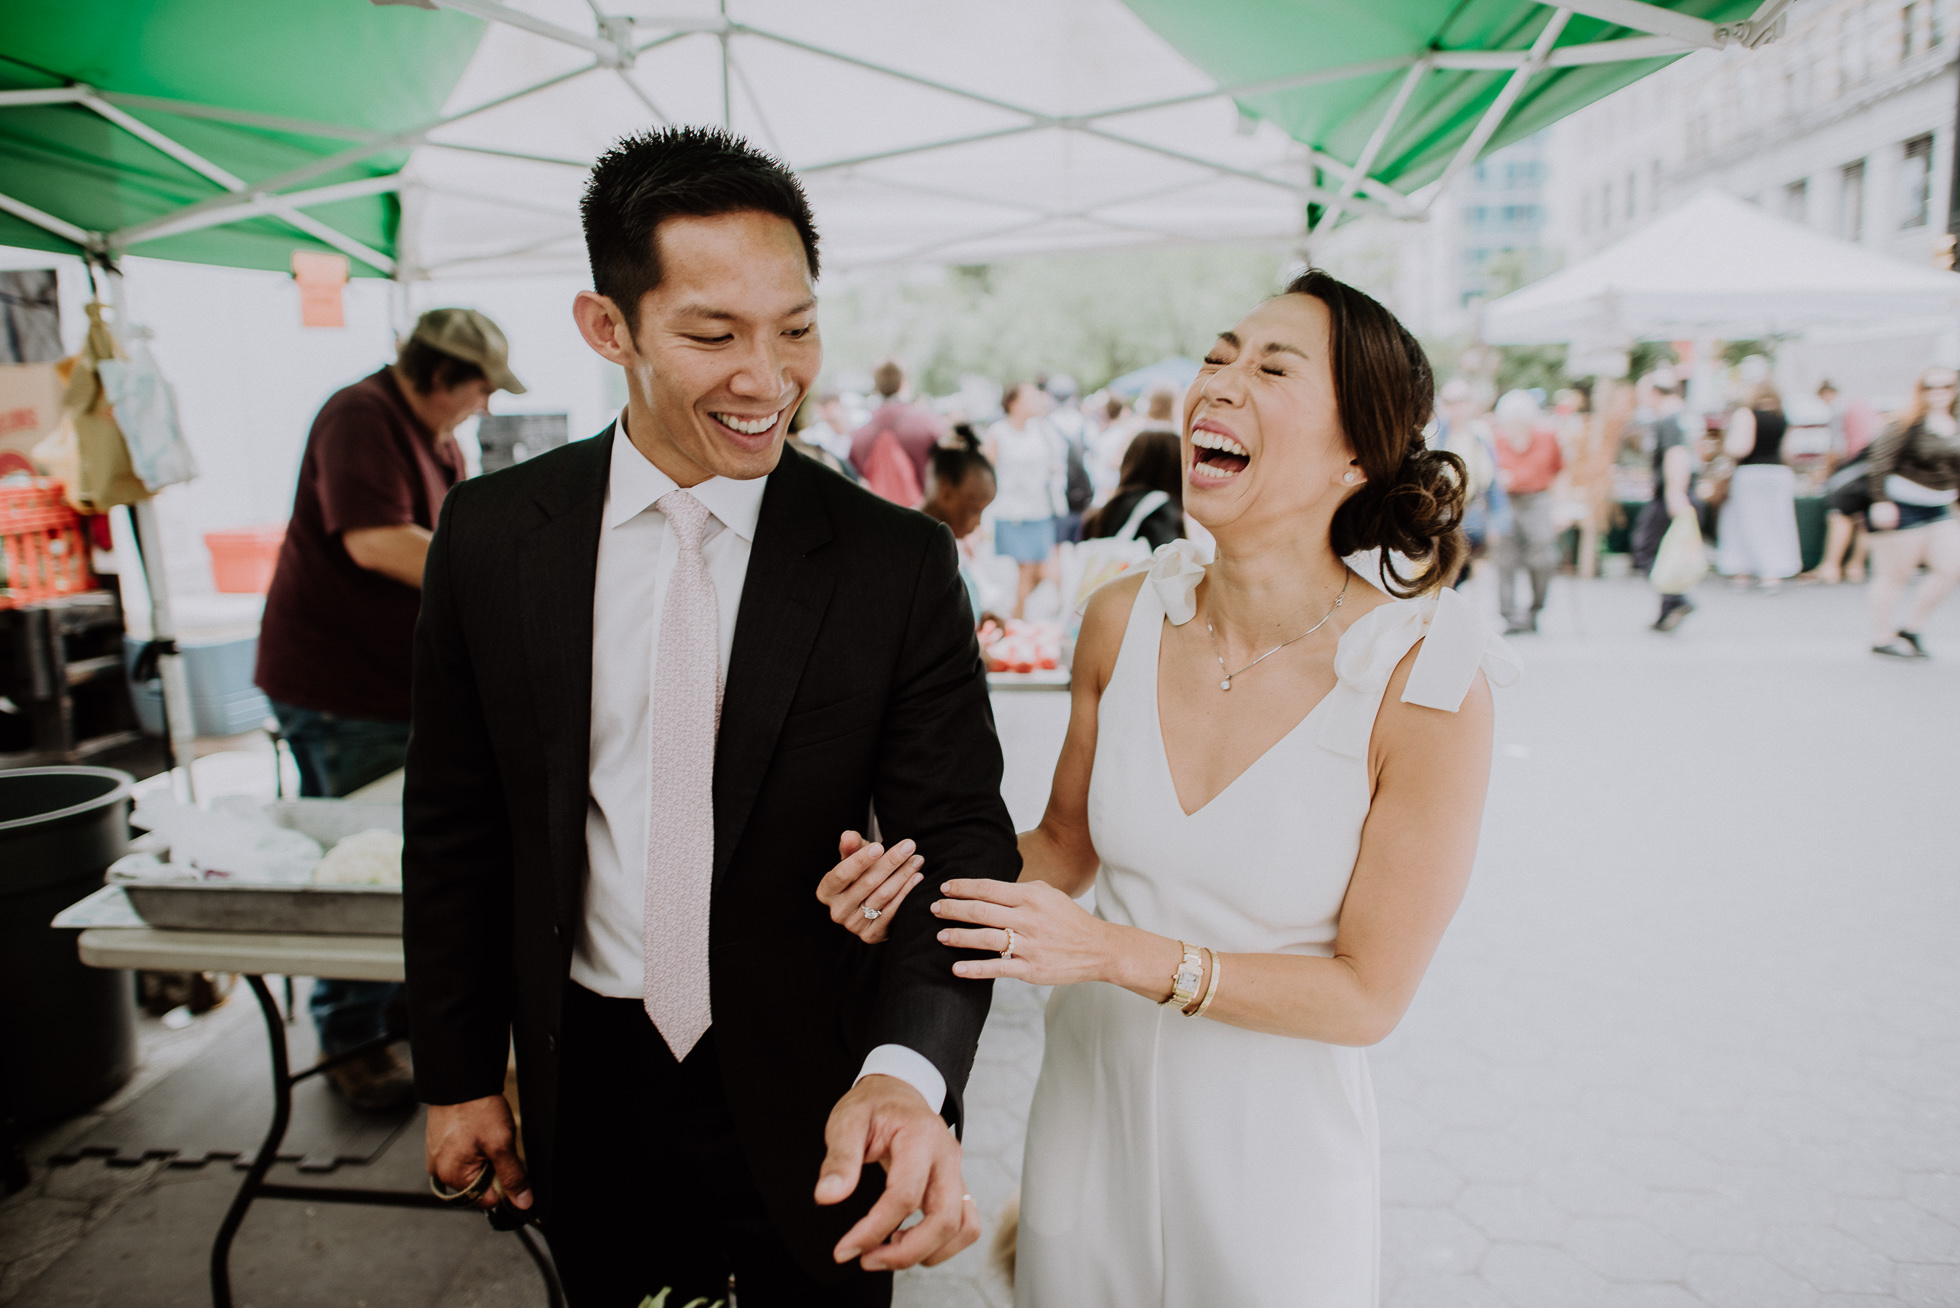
[1093, 317]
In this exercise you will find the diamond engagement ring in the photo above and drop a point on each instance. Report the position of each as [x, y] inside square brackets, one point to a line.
[1009, 951]
[871, 914]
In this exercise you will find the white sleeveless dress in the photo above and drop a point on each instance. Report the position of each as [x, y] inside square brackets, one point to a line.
[1180, 1162]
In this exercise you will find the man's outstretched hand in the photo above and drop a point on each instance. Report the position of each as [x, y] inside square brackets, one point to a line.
[463, 1137]
[885, 1121]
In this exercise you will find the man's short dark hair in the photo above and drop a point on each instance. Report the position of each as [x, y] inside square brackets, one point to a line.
[429, 369]
[677, 172]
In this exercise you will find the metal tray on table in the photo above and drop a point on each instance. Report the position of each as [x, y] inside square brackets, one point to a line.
[283, 909]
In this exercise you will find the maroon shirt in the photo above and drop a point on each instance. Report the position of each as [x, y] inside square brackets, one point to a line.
[337, 637]
[916, 427]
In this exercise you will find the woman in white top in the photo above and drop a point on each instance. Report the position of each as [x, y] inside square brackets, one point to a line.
[1274, 777]
[1029, 464]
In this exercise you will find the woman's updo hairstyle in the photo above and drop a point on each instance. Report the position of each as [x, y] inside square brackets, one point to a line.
[1412, 502]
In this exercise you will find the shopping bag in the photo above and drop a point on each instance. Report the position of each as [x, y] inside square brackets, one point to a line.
[146, 409]
[1682, 559]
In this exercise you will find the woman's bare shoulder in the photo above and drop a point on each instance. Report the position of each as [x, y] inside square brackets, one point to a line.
[1104, 620]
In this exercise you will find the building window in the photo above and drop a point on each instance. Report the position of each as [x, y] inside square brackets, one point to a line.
[1796, 201]
[1916, 182]
[1851, 201]
[1907, 17]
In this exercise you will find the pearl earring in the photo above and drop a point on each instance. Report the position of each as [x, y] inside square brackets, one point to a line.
[1348, 477]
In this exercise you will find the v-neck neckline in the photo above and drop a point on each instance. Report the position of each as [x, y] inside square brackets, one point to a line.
[1163, 747]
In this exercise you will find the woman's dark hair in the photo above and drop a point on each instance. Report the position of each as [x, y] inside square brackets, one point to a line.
[429, 369]
[1412, 501]
[952, 464]
[677, 172]
[1154, 461]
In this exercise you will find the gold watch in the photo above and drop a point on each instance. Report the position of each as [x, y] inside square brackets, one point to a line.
[1185, 981]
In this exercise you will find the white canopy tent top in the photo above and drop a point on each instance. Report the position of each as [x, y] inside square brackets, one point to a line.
[1718, 268]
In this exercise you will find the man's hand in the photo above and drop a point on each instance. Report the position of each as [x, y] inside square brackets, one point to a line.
[883, 1120]
[463, 1137]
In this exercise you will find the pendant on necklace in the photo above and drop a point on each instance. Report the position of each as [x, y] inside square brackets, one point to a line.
[1225, 684]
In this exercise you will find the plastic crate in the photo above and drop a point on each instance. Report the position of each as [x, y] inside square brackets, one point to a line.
[44, 551]
[242, 561]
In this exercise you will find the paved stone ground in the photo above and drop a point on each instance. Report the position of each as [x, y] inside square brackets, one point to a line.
[1694, 1038]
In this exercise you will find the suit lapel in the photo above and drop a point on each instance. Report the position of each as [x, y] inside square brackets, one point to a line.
[783, 602]
[557, 569]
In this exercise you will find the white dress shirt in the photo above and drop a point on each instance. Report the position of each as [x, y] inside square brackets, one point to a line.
[636, 560]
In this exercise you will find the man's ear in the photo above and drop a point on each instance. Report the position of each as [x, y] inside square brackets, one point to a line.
[603, 327]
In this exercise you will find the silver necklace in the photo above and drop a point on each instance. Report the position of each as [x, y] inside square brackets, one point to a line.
[1220, 654]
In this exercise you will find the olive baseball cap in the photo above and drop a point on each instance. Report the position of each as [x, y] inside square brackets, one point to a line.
[470, 336]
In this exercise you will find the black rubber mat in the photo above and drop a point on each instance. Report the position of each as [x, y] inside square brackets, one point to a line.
[219, 1105]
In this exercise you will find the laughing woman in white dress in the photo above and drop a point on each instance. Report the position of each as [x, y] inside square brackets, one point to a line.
[1274, 777]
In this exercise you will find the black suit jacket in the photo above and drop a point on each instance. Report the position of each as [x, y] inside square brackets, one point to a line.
[854, 679]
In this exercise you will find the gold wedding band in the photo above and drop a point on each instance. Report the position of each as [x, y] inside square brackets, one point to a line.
[1009, 951]
[468, 1194]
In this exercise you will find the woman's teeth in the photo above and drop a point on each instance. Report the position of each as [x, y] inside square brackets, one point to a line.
[747, 426]
[1216, 456]
[1211, 440]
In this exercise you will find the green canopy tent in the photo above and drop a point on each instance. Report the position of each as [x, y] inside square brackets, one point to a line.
[430, 137]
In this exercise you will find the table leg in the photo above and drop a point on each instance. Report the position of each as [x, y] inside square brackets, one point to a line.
[282, 1114]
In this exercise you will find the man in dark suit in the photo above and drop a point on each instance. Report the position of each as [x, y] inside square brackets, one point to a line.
[656, 674]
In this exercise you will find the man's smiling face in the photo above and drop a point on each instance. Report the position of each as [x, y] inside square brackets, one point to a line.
[724, 348]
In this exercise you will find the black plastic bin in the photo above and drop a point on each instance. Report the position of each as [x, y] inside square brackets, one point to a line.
[67, 1032]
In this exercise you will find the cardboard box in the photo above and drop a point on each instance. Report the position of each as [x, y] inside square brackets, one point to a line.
[30, 404]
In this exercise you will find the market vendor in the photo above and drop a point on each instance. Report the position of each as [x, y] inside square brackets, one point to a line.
[334, 646]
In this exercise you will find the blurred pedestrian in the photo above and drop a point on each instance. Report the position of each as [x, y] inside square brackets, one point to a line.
[1107, 442]
[1853, 424]
[1028, 461]
[827, 426]
[1463, 433]
[804, 427]
[1913, 481]
[1154, 464]
[1065, 419]
[1528, 463]
[1756, 536]
[912, 429]
[1673, 498]
[337, 637]
[959, 486]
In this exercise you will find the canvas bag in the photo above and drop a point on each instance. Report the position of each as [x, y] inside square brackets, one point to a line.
[1099, 562]
[104, 476]
[1682, 560]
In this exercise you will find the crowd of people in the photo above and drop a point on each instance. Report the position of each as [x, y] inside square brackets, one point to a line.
[1053, 467]
[1733, 477]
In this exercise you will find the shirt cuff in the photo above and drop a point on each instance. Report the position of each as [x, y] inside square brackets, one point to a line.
[909, 1066]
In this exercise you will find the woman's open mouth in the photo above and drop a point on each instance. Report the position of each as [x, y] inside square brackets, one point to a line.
[1216, 457]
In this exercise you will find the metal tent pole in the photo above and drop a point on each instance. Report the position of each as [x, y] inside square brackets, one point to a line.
[177, 713]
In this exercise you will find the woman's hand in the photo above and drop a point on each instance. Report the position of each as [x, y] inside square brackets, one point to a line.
[1883, 515]
[1056, 941]
[868, 883]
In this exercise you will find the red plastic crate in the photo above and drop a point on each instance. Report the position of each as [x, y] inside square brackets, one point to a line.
[44, 551]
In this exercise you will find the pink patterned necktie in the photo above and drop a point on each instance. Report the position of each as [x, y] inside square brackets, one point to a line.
[686, 713]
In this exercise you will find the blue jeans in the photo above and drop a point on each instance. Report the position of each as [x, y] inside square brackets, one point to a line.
[336, 755]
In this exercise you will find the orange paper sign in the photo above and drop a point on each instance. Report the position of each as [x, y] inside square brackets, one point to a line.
[320, 277]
